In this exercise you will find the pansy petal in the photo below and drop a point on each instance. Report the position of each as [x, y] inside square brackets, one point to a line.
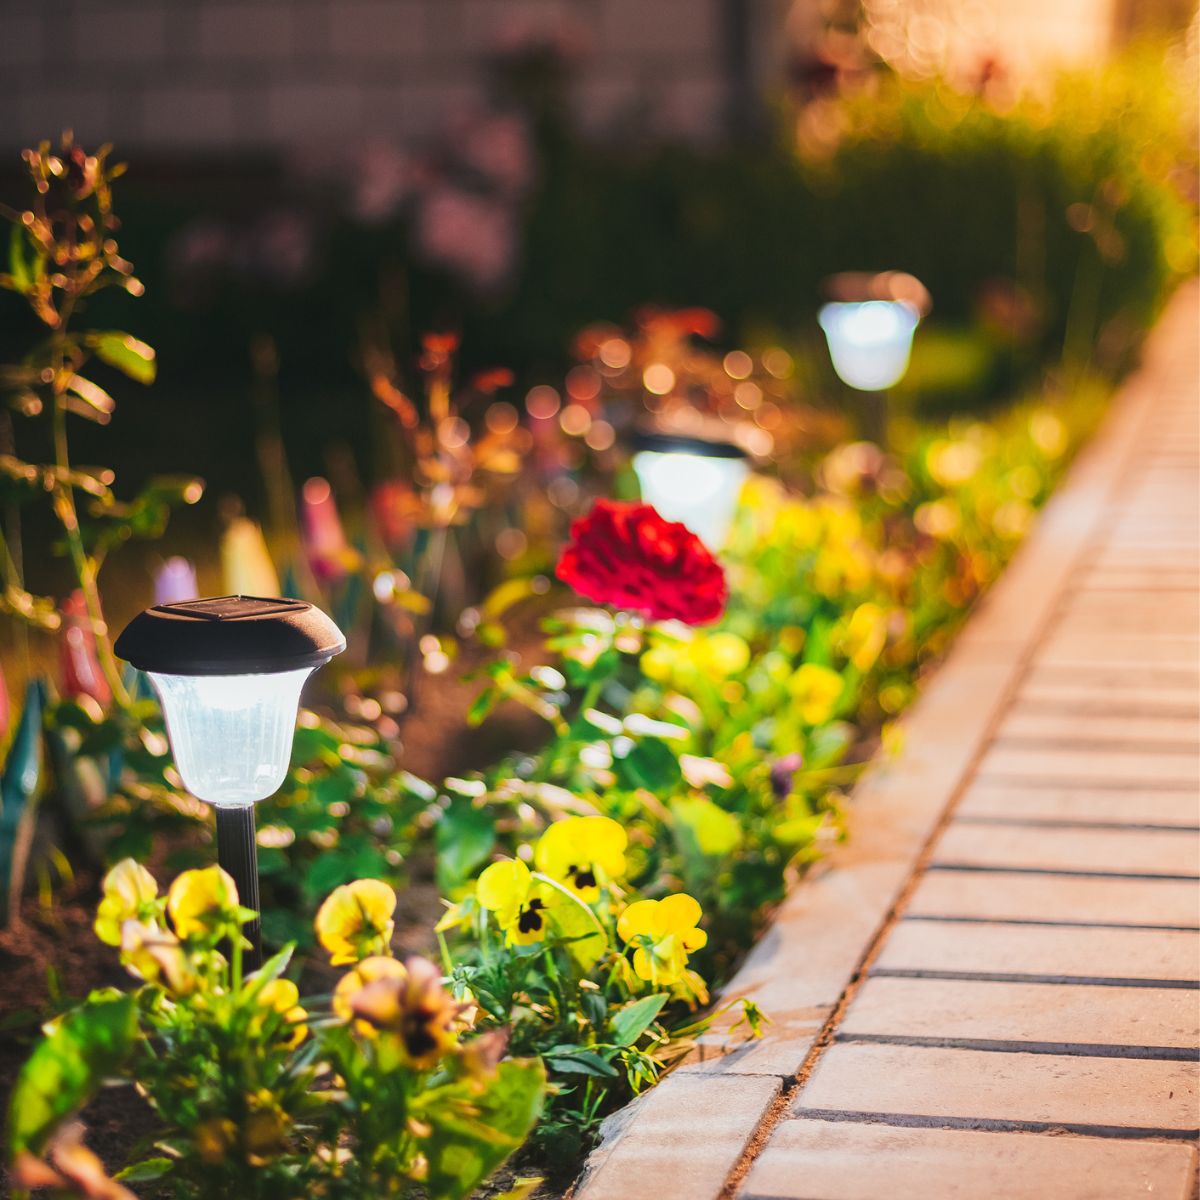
[639, 918]
[679, 912]
[503, 884]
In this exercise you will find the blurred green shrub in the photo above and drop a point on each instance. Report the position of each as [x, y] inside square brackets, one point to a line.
[1061, 219]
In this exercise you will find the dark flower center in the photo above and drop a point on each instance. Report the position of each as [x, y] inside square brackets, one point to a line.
[530, 919]
[417, 1031]
[584, 877]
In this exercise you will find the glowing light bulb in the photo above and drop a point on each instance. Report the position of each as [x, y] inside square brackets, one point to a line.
[869, 341]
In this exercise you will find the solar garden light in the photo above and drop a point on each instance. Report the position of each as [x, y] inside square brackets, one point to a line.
[691, 480]
[869, 325]
[228, 671]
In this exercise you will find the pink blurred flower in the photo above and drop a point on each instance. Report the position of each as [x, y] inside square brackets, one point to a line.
[471, 235]
[499, 149]
[81, 674]
[175, 581]
[382, 179]
[329, 553]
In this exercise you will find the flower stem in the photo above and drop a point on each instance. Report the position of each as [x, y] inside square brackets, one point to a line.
[64, 506]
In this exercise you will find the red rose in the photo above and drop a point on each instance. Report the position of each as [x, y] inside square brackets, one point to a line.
[628, 556]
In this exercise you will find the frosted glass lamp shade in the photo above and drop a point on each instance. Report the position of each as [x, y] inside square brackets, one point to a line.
[869, 341]
[231, 734]
[228, 671]
[700, 490]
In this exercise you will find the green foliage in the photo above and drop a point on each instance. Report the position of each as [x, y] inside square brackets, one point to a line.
[81, 1050]
[1062, 220]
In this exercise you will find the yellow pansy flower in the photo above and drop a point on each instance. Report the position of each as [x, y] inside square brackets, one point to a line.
[1049, 433]
[798, 526]
[679, 663]
[263, 1129]
[585, 853]
[663, 933]
[864, 635]
[202, 903]
[356, 920]
[213, 1139]
[130, 894]
[816, 690]
[520, 902]
[1013, 518]
[283, 996]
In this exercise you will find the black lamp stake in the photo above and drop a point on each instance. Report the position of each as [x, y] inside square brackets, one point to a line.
[237, 853]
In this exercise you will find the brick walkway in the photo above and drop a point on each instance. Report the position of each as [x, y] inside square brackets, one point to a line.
[991, 990]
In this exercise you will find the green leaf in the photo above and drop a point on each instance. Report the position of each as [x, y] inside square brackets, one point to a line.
[270, 970]
[19, 267]
[798, 831]
[580, 1062]
[472, 1134]
[827, 745]
[594, 1006]
[68, 1067]
[482, 705]
[344, 864]
[465, 837]
[634, 1019]
[651, 764]
[126, 353]
[712, 830]
[145, 1171]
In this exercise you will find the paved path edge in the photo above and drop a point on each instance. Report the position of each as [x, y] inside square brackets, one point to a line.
[808, 962]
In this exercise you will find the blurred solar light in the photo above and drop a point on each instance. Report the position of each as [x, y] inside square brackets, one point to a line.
[691, 480]
[869, 325]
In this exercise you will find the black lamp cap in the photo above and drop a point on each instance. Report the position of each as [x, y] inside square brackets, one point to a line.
[678, 443]
[230, 635]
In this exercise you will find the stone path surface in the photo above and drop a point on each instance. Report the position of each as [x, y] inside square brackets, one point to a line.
[993, 989]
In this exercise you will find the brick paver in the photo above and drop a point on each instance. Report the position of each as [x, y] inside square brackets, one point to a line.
[1007, 948]
[840, 1160]
[981, 1089]
[992, 989]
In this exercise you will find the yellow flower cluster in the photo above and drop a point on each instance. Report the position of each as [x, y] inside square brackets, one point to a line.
[172, 940]
[705, 656]
[202, 907]
[577, 859]
[402, 1006]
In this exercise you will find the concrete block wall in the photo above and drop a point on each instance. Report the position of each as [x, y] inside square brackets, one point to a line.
[180, 76]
